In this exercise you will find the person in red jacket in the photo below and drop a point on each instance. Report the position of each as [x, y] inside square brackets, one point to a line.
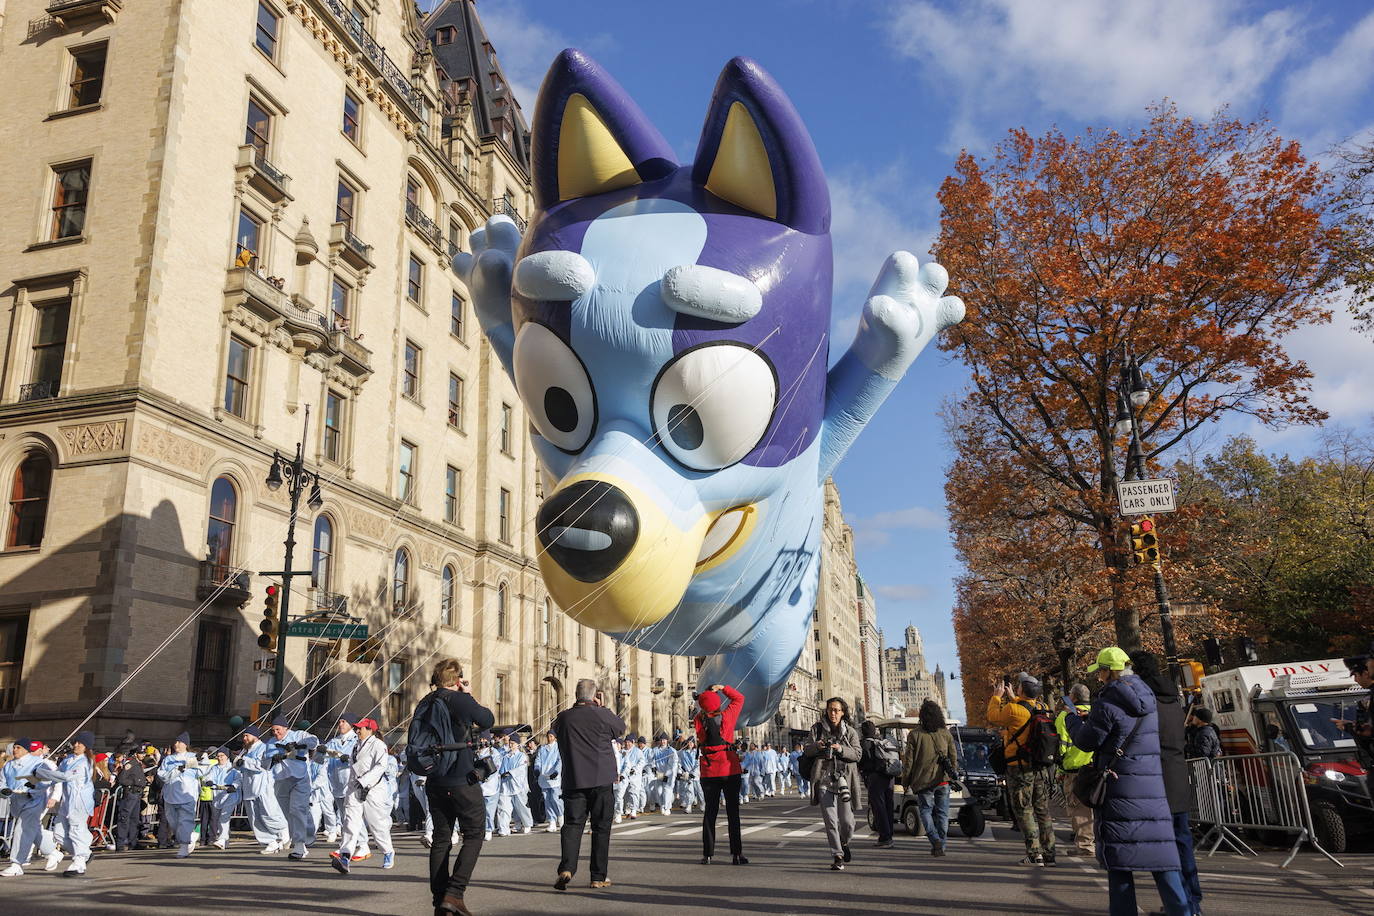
[720, 767]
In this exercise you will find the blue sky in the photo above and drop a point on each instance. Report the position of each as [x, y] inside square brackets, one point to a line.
[891, 91]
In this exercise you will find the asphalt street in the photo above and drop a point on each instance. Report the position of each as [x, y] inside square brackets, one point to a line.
[654, 866]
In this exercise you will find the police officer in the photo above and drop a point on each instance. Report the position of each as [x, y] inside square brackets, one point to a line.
[663, 764]
[288, 751]
[549, 765]
[259, 794]
[223, 781]
[130, 783]
[28, 795]
[514, 788]
[180, 775]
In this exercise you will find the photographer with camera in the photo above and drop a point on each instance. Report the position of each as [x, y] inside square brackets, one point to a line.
[929, 760]
[722, 771]
[830, 761]
[1028, 752]
[584, 732]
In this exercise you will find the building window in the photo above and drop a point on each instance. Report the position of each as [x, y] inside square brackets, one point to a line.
[501, 623]
[345, 204]
[29, 493]
[258, 131]
[340, 296]
[268, 24]
[453, 482]
[581, 641]
[210, 680]
[219, 534]
[415, 275]
[400, 582]
[352, 113]
[322, 559]
[457, 312]
[236, 378]
[455, 401]
[14, 632]
[333, 426]
[504, 514]
[88, 75]
[248, 241]
[546, 624]
[317, 680]
[447, 591]
[49, 347]
[445, 35]
[596, 648]
[410, 384]
[500, 698]
[396, 705]
[359, 15]
[405, 476]
[412, 192]
[73, 182]
[506, 414]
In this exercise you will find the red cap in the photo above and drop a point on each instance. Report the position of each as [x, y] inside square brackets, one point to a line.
[367, 723]
[709, 702]
[100, 757]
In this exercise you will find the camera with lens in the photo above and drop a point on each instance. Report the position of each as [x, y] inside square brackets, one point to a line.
[482, 769]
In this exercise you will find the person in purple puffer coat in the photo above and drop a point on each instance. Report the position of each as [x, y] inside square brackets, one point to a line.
[1134, 826]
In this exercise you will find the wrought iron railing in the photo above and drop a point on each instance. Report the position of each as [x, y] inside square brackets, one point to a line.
[222, 581]
[393, 75]
[363, 249]
[504, 206]
[270, 171]
[39, 391]
[328, 602]
[423, 224]
[453, 250]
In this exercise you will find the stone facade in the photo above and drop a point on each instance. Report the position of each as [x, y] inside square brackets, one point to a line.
[909, 682]
[871, 651]
[247, 214]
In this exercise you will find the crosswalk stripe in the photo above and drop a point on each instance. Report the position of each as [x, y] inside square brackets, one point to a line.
[689, 830]
[640, 830]
[805, 831]
[757, 827]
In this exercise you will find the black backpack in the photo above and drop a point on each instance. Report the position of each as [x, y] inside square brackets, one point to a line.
[1041, 747]
[884, 759]
[430, 744]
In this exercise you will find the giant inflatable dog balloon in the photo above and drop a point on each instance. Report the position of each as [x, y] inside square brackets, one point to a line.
[667, 328]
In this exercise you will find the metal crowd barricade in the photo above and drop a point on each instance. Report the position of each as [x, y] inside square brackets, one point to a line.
[1262, 792]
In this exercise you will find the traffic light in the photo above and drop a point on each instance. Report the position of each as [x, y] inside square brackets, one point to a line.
[364, 650]
[1144, 541]
[270, 622]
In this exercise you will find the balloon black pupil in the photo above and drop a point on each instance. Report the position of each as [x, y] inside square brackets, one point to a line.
[561, 409]
[685, 427]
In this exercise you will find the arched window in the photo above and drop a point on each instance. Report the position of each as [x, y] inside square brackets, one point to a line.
[219, 534]
[322, 569]
[447, 594]
[546, 623]
[400, 582]
[29, 501]
[501, 609]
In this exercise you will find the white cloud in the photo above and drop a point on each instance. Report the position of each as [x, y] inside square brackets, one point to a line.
[1086, 59]
[910, 592]
[1333, 81]
[876, 530]
[525, 47]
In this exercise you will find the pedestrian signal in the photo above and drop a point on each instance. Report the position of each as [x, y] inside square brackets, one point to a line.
[1144, 541]
[364, 650]
[269, 625]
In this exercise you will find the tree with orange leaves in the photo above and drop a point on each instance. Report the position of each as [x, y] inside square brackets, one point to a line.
[1191, 247]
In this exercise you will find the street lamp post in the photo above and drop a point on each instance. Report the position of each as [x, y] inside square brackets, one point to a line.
[296, 477]
[1132, 395]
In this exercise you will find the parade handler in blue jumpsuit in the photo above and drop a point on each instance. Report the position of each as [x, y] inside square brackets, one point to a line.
[259, 795]
[28, 797]
[549, 765]
[289, 752]
[224, 783]
[180, 774]
[71, 822]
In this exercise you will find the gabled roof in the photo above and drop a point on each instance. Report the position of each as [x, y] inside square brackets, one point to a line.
[468, 61]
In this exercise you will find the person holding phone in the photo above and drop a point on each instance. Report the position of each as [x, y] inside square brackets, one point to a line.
[584, 733]
[1071, 760]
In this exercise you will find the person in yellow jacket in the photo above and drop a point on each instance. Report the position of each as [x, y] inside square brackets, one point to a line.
[1028, 785]
[1071, 760]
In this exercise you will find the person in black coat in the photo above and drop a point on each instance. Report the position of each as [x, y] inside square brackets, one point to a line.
[585, 732]
[1177, 786]
[130, 781]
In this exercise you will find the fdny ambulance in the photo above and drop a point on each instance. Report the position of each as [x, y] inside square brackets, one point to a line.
[1290, 707]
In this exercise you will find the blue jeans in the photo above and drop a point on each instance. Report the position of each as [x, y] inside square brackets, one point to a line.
[933, 806]
[1121, 892]
[1183, 839]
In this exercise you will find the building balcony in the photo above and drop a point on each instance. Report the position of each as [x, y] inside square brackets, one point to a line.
[504, 206]
[453, 251]
[354, 358]
[679, 689]
[352, 249]
[426, 227]
[323, 602]
[68, 14]
[224, 585]
[392, 76]
[659, 685]
[250, 289]
[306, 324]
[264, 177]
[39, 391]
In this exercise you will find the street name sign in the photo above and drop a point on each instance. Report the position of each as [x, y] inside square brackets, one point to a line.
[329, 630]
[1145, 497]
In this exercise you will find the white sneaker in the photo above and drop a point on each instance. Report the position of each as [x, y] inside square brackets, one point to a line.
[14, 871]
[184, 851]
[527, 829]
[488, 835]
[299, 851]
[54, 860]
[78, 867]
[552, 828]
[220, 845]
[617, 819]
[270, 849]
[667, 812]
[331, 837]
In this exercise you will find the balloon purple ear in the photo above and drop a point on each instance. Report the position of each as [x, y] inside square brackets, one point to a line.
[756, 153]
[588, 136]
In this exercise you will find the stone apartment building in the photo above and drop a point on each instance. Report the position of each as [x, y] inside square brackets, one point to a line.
[870, 651]
[909, 681]
[228, 228]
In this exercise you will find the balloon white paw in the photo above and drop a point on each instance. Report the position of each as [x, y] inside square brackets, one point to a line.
[487, 269]
[905, 309]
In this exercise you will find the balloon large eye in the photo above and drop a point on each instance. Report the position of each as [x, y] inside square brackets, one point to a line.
[712, 404]
[555, 387]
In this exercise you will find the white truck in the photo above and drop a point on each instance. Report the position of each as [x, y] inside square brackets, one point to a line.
[1290, 707]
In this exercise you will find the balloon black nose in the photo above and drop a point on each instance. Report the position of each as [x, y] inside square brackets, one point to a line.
[589, 528]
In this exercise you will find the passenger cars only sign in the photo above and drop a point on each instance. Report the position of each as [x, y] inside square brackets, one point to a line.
[1145, 497]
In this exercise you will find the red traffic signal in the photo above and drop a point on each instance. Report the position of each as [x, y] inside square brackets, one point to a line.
[1145, 524]
[271, 590]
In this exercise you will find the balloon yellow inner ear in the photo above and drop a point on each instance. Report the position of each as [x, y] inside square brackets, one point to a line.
[741, 173]
[590, 161]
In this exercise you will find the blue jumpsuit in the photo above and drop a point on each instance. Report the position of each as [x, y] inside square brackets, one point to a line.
[549, 762]
[662, 773]
[491, 787]
[71, 826]
[291, 781]
[259, 796]
[180, 794]
[26, 809]
[515, 787]
[224, 800]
